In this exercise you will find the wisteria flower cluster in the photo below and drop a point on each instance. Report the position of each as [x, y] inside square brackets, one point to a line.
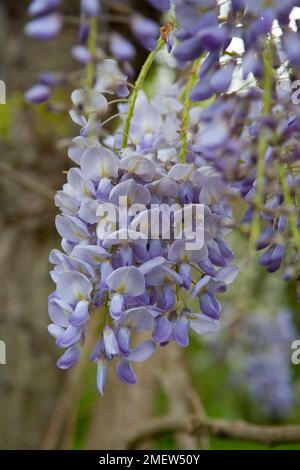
[224, 134]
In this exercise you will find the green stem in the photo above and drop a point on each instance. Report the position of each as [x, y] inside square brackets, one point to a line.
[262, 143]
[92, 47]
[186, 109]
[292, 215]
[138, 86]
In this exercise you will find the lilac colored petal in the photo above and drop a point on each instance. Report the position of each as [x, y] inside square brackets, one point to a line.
[181, 331]
[142, 352]
[207, 267]
[177, 251]
[101, 375]
[210, 306]
[252, 64]
[221, 80]
[139, 318]
[208, 63]
[214, 135]
[123, 338]
[71, 336]
[98, 348]
[71, 228]
[91, 254]
[213, 37]
[38, 94]
[163, 329]
[123, 236]
[215, 254]
[90, 7]
[145, 30]
[81, 54]
[190, 49]
[202, 324]
[202, 90]
[121, 48]
[186, 274]
[59, 312]
[45, 27]
[161, 5]
[81, 314]
[135, 193]
[291, 44]
[141, 166]
[116, 306]
[48, 78]
[180, 172]
[69, 358]
[78, 147]
[169, 298]
[73, 287]
[55, 330]
[127, 280]
[224, 248]
[105, 270]
[111, 346]
[145, 268]
[200, 284]
[162, 274]
[227, 274]
[125, 373]
[88, 210]
[42, 7]
[98, 162]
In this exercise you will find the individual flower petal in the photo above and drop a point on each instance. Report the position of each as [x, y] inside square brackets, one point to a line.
[127, 280]
[81, 314]
[59, 311]
[73, 287]
[69, 358]
[42, 7]
[121, 48]
[71, 228]
[116, 306]
[81, 54]
[91, 254]
[38, 94]
[210, 306]
[163, 329]
[142, 352]
[135, 193]
[70, 337]
[90, 7]
[140, 166]
[111, 346]
[139, 318]
[78, 147]
[202, 324]
[125, 373]
[101, 374]
[123, 338]
[181, 331]
[45, 27]
[98, 162]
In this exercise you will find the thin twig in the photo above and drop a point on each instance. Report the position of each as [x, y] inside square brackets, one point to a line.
[240, 430]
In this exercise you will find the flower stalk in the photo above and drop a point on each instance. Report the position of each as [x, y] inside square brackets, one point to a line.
[262, 143]
[138, 86]
[186, 108]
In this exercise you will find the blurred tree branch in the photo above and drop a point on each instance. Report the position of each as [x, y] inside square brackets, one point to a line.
[193, 425]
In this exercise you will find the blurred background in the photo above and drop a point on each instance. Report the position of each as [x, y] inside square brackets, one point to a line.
[245, 371]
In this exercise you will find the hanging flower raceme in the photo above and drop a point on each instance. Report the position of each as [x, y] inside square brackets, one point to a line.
[129, 274]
